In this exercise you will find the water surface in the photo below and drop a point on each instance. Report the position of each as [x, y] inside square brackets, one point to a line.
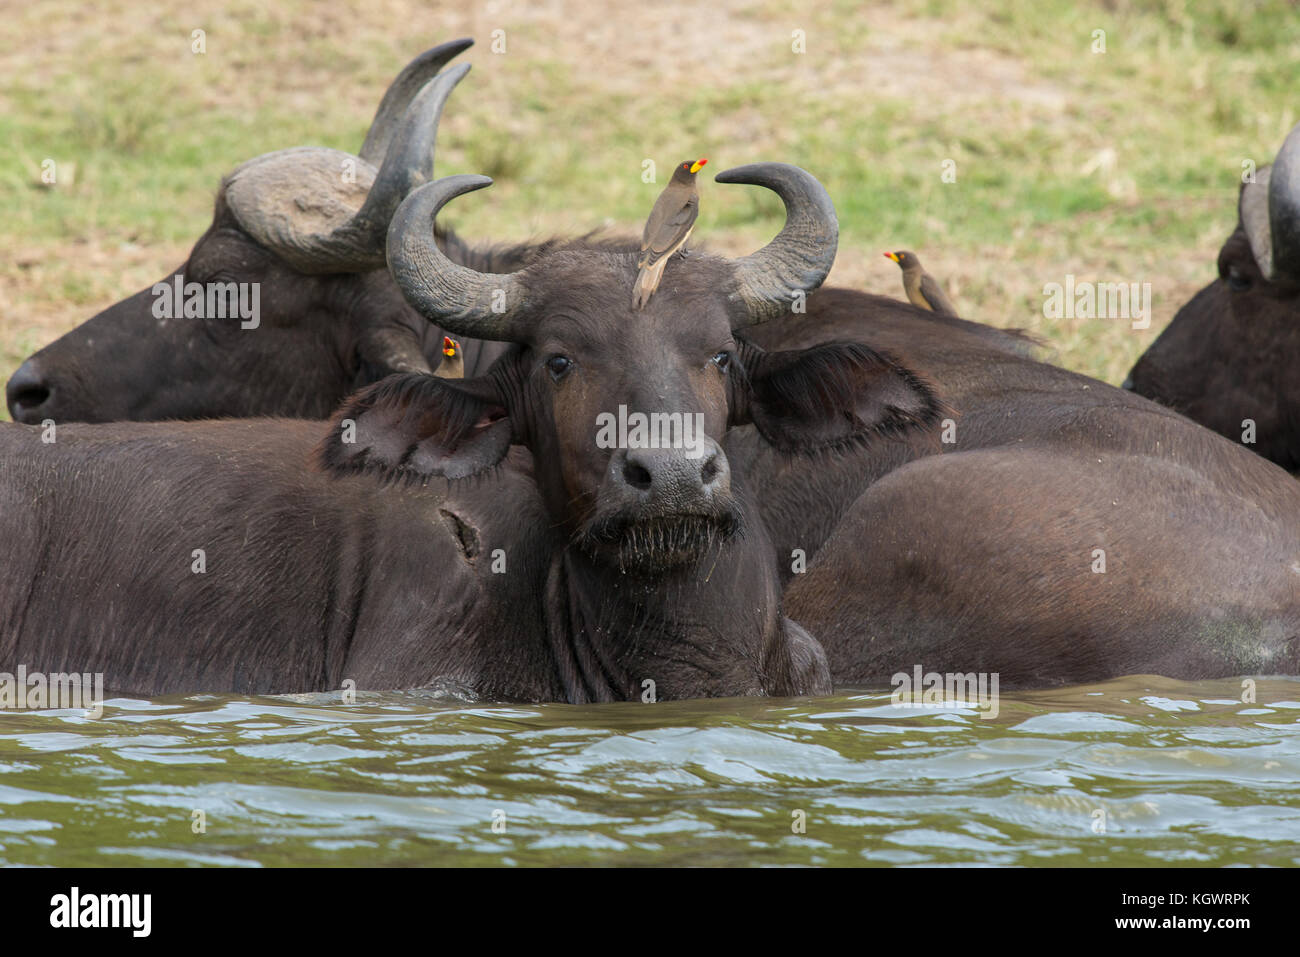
[1139, 771]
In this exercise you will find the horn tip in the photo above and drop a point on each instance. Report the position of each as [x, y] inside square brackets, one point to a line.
[745, 175]
[452, 47]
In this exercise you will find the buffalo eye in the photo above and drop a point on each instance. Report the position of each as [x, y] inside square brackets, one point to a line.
[559, 366]
[1236, 281]
[722, 360]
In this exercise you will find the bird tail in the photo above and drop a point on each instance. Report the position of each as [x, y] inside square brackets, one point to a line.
[647, 281]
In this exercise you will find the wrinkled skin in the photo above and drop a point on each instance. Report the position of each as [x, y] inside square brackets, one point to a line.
[1231, 354]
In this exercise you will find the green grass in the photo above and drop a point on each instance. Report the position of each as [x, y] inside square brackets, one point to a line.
[1009, 90]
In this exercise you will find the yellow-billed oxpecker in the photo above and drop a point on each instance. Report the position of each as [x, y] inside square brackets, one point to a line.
[667, 229]
[452, 365]
[921, 288]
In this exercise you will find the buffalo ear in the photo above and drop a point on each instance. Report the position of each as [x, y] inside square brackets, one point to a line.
[418, 425]
[831, 395]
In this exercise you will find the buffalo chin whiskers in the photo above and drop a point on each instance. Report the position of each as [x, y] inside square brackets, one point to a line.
[658, 544]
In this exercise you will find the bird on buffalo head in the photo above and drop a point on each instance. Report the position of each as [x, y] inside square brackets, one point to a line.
[667, 229]
[920, 286]
[452, 365]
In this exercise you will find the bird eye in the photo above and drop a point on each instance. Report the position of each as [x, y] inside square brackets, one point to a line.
[558, 366]
[1236, 281]
[722, 360]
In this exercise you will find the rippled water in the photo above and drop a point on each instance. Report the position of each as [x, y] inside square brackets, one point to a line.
[1176, 773]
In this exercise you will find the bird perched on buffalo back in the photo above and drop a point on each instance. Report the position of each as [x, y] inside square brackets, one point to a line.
[920, 286]
[452, 365]
[667, 229]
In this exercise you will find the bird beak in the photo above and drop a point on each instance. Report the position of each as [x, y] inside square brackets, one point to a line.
[893, 256]
[449, 346]
[695, 167]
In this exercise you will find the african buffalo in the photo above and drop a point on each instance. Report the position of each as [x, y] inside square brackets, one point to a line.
[663, 572]
[1229, 357]
[302, 229]
[1137, 543]
[1060, 530]
[1057, 530]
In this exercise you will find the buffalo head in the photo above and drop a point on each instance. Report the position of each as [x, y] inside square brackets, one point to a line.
[295, 307]
[1228, 358]
[587, 370]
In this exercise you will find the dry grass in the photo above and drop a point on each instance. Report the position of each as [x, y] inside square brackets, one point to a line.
[1119, 166]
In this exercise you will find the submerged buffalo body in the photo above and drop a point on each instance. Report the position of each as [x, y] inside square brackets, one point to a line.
[1133, 542]
[185, 557]
[1055, 530]
[1229, 357]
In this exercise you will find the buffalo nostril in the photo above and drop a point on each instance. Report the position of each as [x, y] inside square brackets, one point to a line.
[710, 470]
[27, 390]
[30, 397]
[1128, 384]
[637, 476]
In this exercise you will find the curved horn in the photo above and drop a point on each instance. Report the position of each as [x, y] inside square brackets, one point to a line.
[1252, 210]
[301, 204]
[407, 164]
[1284, 208]
[400, 93]
[386, 349]
[801, 255]
[462, 300]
